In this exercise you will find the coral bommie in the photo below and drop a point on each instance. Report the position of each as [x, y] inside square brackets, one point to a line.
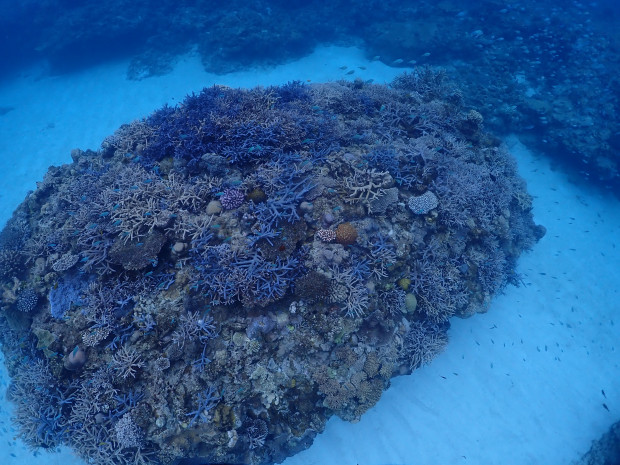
[199, 314]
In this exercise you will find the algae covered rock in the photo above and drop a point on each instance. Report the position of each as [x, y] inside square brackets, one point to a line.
[232, 334]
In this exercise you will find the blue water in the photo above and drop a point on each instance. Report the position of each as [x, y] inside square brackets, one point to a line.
[540, 366]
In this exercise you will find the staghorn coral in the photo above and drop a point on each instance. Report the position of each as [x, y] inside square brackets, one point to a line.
[201, 317]
[422, 344]
[365, 186]
[126, 362]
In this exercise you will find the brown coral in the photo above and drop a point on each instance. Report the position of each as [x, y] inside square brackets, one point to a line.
[346, 234]
[137, 254]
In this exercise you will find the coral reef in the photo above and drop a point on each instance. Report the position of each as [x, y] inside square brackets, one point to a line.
[605, 450]
[223, 276]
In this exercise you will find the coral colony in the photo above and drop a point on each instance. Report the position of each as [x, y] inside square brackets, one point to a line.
[222, 277]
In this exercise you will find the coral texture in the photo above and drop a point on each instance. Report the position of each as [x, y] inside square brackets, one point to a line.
[223, 276]
[346, 234]
[422, 204]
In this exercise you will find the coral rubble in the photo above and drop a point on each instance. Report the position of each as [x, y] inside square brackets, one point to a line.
[223, 276]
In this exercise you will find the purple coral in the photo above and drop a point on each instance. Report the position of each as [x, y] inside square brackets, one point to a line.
[326, 235]
[256, 433]
[227, 275]
[231, 199]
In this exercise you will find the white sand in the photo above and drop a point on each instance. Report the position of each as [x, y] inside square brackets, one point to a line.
[518, 385]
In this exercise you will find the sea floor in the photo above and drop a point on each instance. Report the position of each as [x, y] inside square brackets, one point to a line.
[533, 381]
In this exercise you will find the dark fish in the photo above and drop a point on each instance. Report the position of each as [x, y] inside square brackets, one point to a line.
[606, 408]
[603, 392]
[5, 110]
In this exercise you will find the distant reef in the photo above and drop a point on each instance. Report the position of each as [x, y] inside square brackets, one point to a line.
[604, 451]
[546, 73]
[223, 276]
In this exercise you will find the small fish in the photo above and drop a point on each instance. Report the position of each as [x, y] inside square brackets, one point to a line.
[427, 54]
[351, 72]
[606, 408]
[398, 61]
[362, 67]
[603, 392]
[412, 62]
[376, 57]
[343, 67]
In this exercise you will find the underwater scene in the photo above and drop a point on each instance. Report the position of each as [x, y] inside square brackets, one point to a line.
[309, 233]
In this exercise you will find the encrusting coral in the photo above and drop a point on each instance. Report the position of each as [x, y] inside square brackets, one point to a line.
[223, 276]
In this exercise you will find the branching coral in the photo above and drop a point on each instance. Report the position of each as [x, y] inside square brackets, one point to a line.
[367, 185]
